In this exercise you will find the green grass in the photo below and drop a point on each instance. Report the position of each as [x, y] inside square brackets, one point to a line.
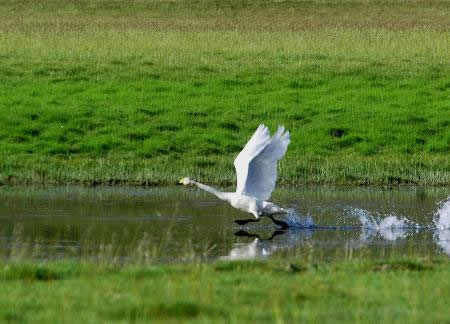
[146, 92]
[393, 290]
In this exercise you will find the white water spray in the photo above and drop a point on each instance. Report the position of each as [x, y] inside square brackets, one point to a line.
[294, 219]
[442, 224]
[390, 227]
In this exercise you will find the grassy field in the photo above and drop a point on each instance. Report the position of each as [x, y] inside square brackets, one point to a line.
[146, 92]
[392, 291]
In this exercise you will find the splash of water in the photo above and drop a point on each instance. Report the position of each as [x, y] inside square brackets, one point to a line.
[389, 227]
[294, 219]
[442, 224]
[442, 216]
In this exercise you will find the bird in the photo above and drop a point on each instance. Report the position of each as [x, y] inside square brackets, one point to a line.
[256, 173]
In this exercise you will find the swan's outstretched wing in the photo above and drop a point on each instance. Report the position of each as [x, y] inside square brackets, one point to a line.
[254, 146]
[256, 165]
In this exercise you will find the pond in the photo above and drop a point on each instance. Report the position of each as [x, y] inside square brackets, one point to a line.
[178, 224]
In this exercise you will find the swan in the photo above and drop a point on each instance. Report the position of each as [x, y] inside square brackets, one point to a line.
[256, 171]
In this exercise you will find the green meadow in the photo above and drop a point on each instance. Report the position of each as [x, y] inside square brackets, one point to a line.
[146, 92]
[393, 291]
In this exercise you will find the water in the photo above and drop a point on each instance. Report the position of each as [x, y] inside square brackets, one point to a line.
[177, 224]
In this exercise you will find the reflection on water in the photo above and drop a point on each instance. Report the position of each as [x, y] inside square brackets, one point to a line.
[442, 224]
[148, 225]
[263, 247]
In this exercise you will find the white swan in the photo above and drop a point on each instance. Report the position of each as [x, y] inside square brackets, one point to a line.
[256, 170]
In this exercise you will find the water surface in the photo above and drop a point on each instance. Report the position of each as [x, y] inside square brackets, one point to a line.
[178, 224]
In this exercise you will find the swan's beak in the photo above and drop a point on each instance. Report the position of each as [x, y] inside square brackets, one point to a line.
[180, 182]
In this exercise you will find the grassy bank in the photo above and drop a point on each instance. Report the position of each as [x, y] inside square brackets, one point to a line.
[396, 291]
[146, 92]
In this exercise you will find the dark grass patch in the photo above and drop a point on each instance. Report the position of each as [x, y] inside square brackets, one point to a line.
[428, 131]
[444, 87]
[348, 141]
[136, 136]
[396, 180]
[101, 144]
[233, 148]
[336, 110]
[237, 83]
[55, 116]
[240, 265]
[150, 76]
[439, 147]
[420, 141]
[167, 128]
[196, 113]
[415, 120]
[200, 124]
[205, 164]
[34, 116]
[176, 310]
[443, 124]
[75, 70]
[297, 117]
[41, 72]
[160, 89]
[6, 72]
[19, 139]
[210, 150]
[75, 131]
[305, 83]
[70, 79]
[337, 132]
[151, 112]
[39, 272]
[296, 268]
[229, 126]
[205, 68]
[62, 149]
[117, 62]
[402, 265]
[33, 132]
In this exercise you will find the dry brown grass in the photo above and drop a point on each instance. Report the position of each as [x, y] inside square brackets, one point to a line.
[69, 15]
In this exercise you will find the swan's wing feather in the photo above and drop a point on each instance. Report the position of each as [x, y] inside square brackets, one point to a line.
[254, 146]
[262, 168]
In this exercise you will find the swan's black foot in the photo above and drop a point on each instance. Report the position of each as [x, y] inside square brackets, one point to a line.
[245, 221]
[283, 225]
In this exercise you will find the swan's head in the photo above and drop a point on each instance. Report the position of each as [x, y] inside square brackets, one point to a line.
[186, 182]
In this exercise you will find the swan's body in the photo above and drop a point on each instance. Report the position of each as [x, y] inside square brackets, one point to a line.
[256, 170]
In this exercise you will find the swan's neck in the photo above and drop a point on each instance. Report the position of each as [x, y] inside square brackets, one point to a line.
[217, 193]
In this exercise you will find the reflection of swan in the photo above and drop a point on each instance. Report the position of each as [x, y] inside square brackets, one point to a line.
[256, 170]
[442, 223]
[260, 247]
